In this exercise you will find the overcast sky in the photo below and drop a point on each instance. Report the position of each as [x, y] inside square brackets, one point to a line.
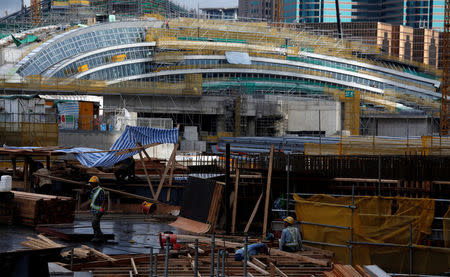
[11, 6]
[14, 5]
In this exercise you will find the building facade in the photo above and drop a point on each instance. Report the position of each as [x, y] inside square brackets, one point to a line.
[417, 14]
[261, 9]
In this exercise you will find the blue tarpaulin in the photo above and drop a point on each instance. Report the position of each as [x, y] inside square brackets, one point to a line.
[130, 138]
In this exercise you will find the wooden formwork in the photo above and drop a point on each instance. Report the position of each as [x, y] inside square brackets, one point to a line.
[312, 261]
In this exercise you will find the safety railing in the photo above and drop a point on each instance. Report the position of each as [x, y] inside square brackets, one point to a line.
[354, 246]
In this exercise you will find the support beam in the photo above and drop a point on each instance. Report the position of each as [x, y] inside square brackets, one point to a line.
[252, 216]
[236, 190]
[146, 173]
[172, 157]
[269, 179]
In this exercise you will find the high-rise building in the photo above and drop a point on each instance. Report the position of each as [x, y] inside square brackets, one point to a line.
[417, 14]
[263, 9]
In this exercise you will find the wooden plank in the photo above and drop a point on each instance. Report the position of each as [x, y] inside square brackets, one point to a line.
[98, 253]
[257, 268]
[363, 180]
[236, 191]
[131, 195]
[172, 167]
[135, 271]
[166, 169]
[299, 257]
[278, 271]
[146, 174]
[252, 216]
[192, 263]
[49, 241]
[259, 263]
[26, 185]
[200, 251]
[269, 179]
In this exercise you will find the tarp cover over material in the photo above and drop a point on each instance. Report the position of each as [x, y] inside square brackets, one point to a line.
[130, 138]
[238, 57]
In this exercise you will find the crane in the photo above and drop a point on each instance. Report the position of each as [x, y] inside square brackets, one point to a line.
[35, 11]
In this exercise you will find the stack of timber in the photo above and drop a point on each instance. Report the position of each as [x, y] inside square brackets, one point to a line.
[34, 209]
[85, 252]
[7, 209]
[347, 270]
[41, 242]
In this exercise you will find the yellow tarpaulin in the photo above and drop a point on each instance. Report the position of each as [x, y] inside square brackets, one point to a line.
[374, 220]
[446, 228]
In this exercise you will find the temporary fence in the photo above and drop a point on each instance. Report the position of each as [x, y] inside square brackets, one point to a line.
[374, 230]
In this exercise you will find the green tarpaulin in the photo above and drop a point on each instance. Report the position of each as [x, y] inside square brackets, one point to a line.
[27, 39]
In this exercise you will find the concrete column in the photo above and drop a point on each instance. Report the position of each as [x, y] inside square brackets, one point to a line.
[251, 125]
[220, 124]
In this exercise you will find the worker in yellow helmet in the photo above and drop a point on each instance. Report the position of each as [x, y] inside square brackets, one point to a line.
[291, 240]
[98, 204]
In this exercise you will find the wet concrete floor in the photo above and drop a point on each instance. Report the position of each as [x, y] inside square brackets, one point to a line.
[132, 235]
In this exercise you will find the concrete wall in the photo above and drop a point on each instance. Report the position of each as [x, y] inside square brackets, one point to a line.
[304, 116]
[399, 127]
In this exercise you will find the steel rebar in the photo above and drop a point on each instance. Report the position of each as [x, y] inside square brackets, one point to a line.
[151, 262]
[196, 258]
[71, 259]
[245, 255]
[212, 255]
[166, 260]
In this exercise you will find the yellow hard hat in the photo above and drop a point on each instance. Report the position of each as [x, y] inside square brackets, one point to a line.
[94, 179]
[289, 219]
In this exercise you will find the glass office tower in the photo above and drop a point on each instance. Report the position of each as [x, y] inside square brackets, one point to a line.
[417, 14]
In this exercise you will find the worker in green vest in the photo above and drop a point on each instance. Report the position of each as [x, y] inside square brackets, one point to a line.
[291, 240]
[98, 204]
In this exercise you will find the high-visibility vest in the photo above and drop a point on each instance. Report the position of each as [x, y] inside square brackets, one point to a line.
[294, 237]
[93, 206]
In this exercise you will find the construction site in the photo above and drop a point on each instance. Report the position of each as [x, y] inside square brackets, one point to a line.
[142, 138]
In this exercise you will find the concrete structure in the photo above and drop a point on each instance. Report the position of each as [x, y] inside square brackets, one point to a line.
[261, 9]
[228, 10]
[399, 125]
[242, 79]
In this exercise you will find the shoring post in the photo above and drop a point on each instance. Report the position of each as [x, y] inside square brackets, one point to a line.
[410, 249]
[166, 260]
[150, 274]
[379, 174]
[245, 256]
[196, 258]
[352, 223]
[212, 255]
[71, 259]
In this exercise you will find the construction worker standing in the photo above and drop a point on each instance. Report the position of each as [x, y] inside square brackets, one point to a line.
[98, 204]
[290, 240]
